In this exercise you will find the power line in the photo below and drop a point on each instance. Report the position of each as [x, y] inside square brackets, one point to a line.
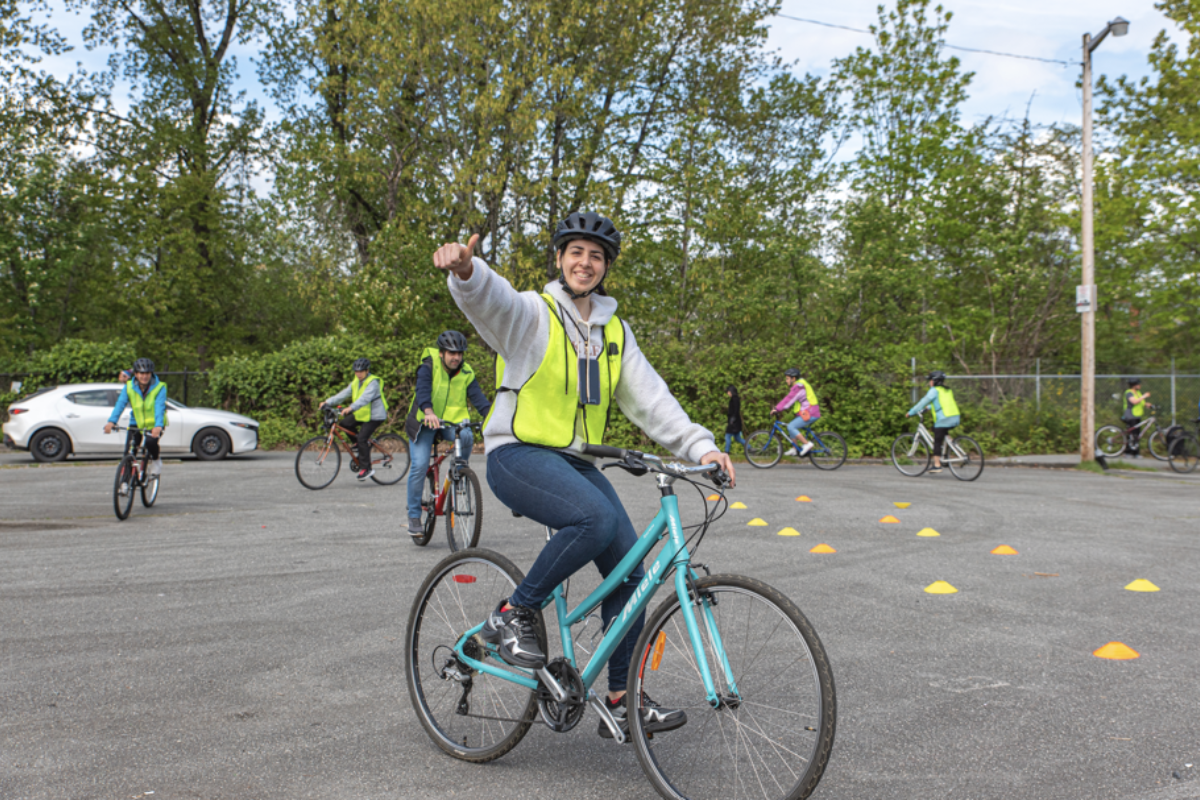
[949, 46]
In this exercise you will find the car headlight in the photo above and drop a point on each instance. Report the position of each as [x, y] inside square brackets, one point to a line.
[248, 426]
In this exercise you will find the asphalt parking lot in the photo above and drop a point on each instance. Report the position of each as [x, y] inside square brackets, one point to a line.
[242, 639]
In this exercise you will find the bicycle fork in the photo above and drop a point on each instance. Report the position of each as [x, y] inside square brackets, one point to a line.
[689, 598]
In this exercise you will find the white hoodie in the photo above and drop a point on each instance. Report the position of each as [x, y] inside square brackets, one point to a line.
[517, 326]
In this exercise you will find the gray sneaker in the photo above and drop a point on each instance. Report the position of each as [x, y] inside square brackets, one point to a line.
[415, 528]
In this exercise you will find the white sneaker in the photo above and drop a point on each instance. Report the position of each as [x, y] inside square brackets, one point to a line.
[155, 467]
[804, 450]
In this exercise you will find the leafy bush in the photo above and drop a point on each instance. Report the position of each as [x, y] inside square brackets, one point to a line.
[69, 361]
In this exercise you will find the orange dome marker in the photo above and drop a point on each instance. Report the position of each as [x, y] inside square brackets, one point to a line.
[822, 548]
[1005, 550]
[940, 587]
[902, 505]
[789, 532]
[889, 518]
[803, 499]
[1116, 651]
[713, 497]
[927, 532]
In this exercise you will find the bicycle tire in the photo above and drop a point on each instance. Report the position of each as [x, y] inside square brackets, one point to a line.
[463, 526]
[832, 455]
[967, 471]
[785, 701]
[428, 509]
[1110, 441]
[911, 455]
[389, 473]
[123, 503]
[472, 582]
[1157, 445]
[150, 491]
[763, 450]
[313, 468]
[1185, 453]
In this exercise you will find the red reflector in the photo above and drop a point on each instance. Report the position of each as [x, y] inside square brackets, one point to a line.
[15, 411]
[464, 578]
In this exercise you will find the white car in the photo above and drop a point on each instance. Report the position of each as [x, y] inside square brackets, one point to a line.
[55, 422]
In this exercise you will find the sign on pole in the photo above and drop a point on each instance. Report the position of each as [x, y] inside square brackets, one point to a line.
[1085, 298]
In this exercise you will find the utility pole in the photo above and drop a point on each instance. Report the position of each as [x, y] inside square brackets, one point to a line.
[1085, 295]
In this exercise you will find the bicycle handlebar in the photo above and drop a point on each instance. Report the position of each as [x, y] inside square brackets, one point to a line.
[635, 459]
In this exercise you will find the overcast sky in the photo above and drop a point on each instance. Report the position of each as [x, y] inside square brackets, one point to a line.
[1002, 86]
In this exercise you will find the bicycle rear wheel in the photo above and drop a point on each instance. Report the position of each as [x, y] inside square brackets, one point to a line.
[472, 716]
[389, 458]
[772, 733]
[123, 488]
[1185, 453]
[318, 462]
[763, 450]
[428, 509]
[464, 511]
[1158, 445]
[911, 455]
[150, 490]
[1110, 441]
[969, 466]
[829, 450]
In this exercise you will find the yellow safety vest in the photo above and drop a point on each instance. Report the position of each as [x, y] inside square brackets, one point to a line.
[1135, 409]
[811, 396]
[548, 408]
[948, 404]
[449, 394]
[143, 407]
[364, 414]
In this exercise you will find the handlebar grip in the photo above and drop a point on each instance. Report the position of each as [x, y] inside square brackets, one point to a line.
[603, 451]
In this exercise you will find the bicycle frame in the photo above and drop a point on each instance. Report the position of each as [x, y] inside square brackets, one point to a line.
[1144, 426]
[435, 463]
[925, 436]
[777, 427]
[675, 558]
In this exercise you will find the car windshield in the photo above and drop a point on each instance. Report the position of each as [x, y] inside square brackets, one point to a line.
[175, 402]
[32, 395]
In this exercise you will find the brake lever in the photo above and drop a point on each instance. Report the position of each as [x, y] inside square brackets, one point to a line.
[635, 468]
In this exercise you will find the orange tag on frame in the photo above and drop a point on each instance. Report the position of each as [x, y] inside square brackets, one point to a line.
[656, 659]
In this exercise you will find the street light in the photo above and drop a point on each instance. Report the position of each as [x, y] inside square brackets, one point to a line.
[1085, 295]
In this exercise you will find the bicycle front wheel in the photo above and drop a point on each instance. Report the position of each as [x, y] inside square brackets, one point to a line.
[763, 450]
[829, 450]
[967, 463]
[1185, 453]
[389, 458]
[150, 490]
[771, 733]
[123, 489]
[428, 509]
[471, 715]
[1110, 441]
[910, 455]
[318, 462]
[464, 511]
[1158, 445]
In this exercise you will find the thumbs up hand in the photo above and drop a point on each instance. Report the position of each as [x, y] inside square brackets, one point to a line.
[456, 258]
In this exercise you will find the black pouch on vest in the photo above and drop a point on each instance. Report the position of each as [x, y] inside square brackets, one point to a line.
[589, 381]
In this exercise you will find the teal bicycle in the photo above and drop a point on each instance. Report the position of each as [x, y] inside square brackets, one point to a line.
[735, 654]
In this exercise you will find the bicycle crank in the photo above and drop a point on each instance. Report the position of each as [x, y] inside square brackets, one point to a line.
[562, 698]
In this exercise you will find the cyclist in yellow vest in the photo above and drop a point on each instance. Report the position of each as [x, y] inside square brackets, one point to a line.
[146, 396]
[368, 410]
[945, 413]
[566, 358]
[445, 385]
[801, 400]
[1136, 404]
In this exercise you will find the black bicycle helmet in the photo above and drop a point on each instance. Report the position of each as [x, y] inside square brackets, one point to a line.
[362, 364]
[143, 365]
[452, 341]
[591, 226]
[937, 376]
[1134, 381]
[792, 372]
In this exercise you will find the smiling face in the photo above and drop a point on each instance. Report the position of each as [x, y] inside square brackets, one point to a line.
[452, 360]
[583, 265]
[143, 378]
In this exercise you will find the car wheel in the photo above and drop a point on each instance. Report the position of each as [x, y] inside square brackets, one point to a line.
[50, 445]
[210, 444]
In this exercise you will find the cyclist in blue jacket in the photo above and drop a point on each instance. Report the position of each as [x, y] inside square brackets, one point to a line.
[147, 396]
[945, 413]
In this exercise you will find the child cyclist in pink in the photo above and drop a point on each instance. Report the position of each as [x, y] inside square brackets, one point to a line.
[802, 401]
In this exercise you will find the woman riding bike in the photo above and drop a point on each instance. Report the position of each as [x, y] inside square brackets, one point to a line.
[564, 358]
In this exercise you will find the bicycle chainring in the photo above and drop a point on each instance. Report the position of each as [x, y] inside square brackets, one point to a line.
[562, 717]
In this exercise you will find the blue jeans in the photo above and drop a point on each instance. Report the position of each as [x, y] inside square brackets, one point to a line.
[419, 452]
[799, 422]
[573, 497]
[734, 437]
